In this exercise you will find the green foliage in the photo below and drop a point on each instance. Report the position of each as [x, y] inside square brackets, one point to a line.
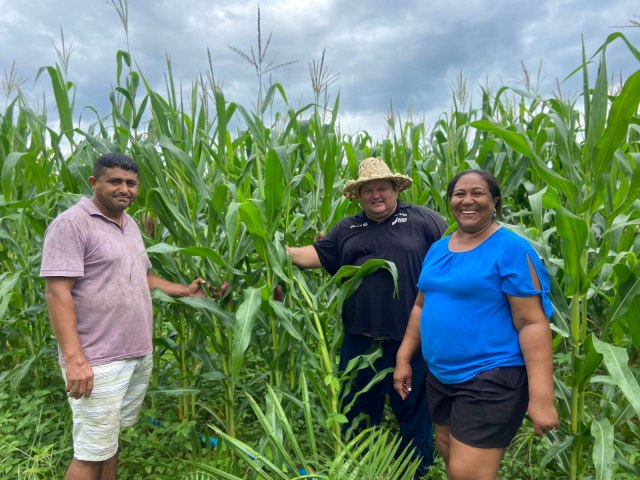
[373, 454]
[32, 444]
[221, 205]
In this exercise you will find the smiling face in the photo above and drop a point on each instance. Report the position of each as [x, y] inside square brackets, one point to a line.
[379, 199]
[114, 190]
[472, 203]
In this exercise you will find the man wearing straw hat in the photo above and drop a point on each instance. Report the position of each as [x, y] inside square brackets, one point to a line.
[373, 316]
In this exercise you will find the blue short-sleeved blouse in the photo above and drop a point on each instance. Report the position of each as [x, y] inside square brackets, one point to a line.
[466, 325]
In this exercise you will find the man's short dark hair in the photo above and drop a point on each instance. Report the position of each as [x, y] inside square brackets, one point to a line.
[114, 160]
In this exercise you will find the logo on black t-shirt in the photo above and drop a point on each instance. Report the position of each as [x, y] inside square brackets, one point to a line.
[400, 218]
[365, 224]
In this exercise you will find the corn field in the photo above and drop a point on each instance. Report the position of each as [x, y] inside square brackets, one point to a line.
[246, 385]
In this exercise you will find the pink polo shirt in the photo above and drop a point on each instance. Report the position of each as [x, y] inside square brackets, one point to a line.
[111, 294]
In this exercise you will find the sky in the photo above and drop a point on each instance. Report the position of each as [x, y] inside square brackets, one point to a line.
[380, 55]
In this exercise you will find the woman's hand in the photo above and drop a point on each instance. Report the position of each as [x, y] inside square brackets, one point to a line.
[543, 415]
[408, 348]
[402, 379]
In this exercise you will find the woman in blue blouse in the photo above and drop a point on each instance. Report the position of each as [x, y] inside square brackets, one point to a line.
[481, 317]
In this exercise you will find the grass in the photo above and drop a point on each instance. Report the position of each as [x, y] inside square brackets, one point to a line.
[36, 442]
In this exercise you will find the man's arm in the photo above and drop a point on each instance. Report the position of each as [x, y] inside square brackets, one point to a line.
[304, 257]
[194, 289]
[62, 313]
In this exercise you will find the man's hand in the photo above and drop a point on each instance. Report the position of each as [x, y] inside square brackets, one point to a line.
[196, 289]
[402, 379]
[199, 288]
[79, 376]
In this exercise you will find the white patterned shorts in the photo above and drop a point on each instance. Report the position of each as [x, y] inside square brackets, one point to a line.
[118, 391]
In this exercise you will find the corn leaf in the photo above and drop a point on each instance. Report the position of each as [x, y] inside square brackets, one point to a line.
[573, 233]
[245, 318]
[7, 176]
[616, 360]
[603, 450]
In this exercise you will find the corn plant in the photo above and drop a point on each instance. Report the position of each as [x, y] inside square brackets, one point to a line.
[221, 204]
[584, 208]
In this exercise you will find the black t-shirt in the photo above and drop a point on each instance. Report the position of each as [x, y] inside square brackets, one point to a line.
[403, 238]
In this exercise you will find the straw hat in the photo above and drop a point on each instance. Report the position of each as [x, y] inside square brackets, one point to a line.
[373, 168]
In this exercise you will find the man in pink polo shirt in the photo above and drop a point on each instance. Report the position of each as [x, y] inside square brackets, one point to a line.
[98, 284]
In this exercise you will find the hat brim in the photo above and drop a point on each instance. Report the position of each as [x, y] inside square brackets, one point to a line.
[352, 187]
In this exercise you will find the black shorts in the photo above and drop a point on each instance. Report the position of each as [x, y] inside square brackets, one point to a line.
[484, 412]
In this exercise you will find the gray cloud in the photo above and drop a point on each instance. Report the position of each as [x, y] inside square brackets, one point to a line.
[409, 53]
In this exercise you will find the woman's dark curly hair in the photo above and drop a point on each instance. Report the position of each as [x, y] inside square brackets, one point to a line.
[492, 183]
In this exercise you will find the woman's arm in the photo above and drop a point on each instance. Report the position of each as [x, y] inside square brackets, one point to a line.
[410, 344]
[534, 335]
